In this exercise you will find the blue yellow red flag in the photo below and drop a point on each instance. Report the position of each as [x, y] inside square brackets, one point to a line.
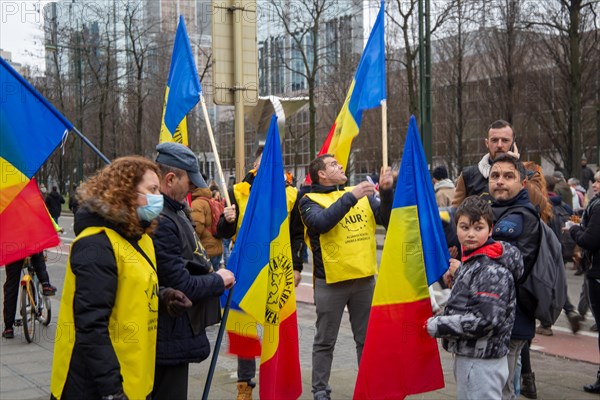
[366, 91]
[183, 89]
[262, 261]
[30, 129]
[399, 357]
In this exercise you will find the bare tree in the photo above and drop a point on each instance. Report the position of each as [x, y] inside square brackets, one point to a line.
[454, 80]
[302, 24]
[403, 16]
[504, 53]
[569, 42]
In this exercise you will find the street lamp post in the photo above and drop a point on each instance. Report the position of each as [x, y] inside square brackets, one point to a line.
[425, 78]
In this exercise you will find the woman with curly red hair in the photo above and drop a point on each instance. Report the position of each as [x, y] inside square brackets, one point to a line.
[106, 333]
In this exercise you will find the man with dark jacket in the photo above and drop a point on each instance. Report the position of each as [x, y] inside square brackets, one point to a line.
[341, 223]
[587, 175]
[518, 223]
[54, 203]
[229, 224]
[182, 264]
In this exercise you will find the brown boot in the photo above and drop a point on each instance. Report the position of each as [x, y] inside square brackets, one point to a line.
[244, 391]
[528, 388]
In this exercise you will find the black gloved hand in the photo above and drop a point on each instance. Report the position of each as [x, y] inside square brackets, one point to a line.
[175, 301]
[116, 396]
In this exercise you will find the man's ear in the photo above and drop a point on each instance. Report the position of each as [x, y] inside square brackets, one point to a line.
[322, 174]
[169, 178]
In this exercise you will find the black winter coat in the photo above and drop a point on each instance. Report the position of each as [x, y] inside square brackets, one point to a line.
[54, 203]
[520, 228]
[177, 341]
[587, 235]
[93, 359]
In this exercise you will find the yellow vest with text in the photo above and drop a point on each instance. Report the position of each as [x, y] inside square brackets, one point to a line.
[349, 249]
[132, 322]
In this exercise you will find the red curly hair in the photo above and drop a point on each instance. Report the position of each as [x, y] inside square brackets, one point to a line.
[112, 193]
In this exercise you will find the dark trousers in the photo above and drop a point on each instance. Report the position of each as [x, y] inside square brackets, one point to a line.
[246, 369]
[11, 286]
[594, 290]
[171, 382]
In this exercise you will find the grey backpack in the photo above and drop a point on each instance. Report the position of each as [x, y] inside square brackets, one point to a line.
[542, 293]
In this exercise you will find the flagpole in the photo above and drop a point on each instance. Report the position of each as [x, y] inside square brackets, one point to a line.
[215, 356]
[91, 146]
[214, 149]
[384, 138]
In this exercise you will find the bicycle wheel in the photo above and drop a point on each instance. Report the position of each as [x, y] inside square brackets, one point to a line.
[28, 312]
[44, 311]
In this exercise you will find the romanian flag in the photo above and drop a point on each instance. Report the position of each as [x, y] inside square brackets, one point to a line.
[399, 357]
[366, 91]
[30, 130]
[262, 260]
[183, 89]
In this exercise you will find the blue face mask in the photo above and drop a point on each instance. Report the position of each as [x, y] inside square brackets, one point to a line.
[152, 209]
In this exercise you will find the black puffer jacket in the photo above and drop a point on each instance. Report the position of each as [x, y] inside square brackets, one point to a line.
[587, 235]
[94, 265]
[178, 342]
[320, 220]
[515, 222]
[480, 313]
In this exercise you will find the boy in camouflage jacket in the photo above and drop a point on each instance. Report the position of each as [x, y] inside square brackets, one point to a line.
[478, 318]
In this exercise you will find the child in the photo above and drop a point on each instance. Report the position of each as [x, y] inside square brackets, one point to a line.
[480, 312]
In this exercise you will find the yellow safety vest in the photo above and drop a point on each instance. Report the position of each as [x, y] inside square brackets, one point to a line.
[132, 322]
[349, 250]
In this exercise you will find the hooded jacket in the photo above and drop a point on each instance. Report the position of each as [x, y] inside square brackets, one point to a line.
[480, 312]
[444, 192]
[202, 217]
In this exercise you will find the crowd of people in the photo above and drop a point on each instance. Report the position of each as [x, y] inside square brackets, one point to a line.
[147, 262]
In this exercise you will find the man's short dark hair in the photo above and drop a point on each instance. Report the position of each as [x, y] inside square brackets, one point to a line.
[316, 165]
[516, 163]
[499, 124]
[165, 169]
[475, 208]
[440, 173]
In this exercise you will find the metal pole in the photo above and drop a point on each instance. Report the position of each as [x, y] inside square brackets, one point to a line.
[421, 69]
[215, 356]
[238, 78]
[427, 134]
[90, 145]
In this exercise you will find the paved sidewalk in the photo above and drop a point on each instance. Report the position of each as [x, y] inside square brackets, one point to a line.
[563, 363]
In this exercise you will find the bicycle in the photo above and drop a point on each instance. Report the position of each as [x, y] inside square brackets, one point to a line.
[34, 305]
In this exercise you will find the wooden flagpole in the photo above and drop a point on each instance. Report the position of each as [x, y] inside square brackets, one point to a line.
[214, 149]
[384, 138]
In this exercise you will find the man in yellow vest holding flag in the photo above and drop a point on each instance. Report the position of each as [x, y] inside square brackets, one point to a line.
[341, 223]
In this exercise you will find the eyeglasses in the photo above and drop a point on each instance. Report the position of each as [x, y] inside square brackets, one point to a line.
[332, 164]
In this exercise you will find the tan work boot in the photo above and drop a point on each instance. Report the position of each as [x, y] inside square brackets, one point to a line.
[244, 391]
